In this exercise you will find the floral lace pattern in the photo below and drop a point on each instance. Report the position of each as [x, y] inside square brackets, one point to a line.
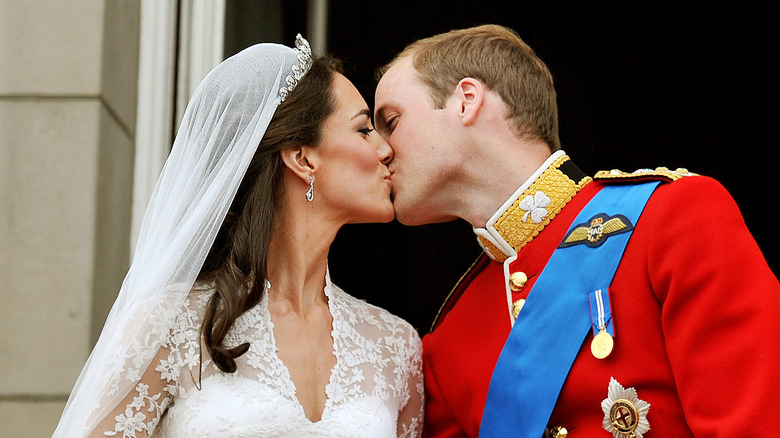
[375, 388]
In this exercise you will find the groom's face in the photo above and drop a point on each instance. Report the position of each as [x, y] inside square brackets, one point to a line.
[419, 135]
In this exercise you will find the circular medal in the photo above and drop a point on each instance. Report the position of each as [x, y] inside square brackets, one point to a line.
[602, 344]
[624, 417]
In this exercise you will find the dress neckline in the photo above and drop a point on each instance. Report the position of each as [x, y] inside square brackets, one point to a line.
[285, 372]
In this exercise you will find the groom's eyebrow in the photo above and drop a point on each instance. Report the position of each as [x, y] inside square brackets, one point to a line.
[379, 120]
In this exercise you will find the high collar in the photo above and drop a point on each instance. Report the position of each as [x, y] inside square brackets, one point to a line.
[525, 214]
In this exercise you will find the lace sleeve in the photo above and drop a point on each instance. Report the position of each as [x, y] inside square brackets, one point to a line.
[410, 419]
[139, 412]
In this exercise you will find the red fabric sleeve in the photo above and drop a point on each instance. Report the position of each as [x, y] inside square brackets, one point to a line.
[720, 312]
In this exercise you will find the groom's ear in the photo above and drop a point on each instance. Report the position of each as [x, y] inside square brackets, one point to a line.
[470, 94]
[298, 160]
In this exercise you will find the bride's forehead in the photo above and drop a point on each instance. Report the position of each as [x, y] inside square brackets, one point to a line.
[347, 96]
[344, 87]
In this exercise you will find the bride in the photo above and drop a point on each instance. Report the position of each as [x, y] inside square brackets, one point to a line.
[227, 323]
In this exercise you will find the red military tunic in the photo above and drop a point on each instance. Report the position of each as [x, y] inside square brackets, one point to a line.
[696, 318]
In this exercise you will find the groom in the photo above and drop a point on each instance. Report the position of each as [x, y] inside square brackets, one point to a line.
[612, 304]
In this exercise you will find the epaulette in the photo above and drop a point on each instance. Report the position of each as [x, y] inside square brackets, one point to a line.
[659, 173]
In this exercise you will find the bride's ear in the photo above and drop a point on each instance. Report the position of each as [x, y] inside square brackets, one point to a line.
[298, 161]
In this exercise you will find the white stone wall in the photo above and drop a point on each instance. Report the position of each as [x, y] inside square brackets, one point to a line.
[68, 71]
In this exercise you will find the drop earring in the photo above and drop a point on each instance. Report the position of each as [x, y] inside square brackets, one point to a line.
[310, 192]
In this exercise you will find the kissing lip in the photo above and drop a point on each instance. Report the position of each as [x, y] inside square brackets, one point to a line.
[388, 179]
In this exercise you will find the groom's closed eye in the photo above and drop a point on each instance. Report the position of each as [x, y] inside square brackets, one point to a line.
[385, 122]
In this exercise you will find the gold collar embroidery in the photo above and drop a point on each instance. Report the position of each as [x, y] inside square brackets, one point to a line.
[530, 211]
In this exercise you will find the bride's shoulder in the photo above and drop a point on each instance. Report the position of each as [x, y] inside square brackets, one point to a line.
[178, 299]
[199, 294]
[373, 317]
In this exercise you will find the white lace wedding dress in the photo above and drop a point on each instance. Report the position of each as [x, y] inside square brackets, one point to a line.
[375, 388]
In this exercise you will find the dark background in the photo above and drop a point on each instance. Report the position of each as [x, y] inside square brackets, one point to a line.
[639, 85]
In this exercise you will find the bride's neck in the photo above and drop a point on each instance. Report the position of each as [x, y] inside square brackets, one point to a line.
[298, 256]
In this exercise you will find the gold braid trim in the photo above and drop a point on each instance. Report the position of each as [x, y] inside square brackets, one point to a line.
[643, 174]
[557, 186]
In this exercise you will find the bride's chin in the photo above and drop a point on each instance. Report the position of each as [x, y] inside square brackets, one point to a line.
[387, 215]
[379, 214]
[390, 216]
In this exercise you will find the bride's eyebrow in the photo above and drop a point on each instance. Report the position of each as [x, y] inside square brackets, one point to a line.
[364, 112]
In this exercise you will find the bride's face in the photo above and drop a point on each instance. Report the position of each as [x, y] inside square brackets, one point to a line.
[352, 180]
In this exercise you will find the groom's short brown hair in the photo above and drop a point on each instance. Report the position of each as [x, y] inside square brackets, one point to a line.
[500, 59]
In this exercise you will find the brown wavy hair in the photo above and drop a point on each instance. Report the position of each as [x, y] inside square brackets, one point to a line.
[237, 261]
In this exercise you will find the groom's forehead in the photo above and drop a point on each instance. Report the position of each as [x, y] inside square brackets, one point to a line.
[400, 72]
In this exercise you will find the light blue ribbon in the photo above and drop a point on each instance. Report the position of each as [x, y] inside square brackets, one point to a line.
[601, 295]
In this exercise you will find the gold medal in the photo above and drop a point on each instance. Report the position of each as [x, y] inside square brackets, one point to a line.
[602, 344]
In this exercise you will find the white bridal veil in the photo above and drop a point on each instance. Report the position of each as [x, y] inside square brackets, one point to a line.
[222, 126]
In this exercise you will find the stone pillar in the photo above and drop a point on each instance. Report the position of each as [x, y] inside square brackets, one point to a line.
[68, 73]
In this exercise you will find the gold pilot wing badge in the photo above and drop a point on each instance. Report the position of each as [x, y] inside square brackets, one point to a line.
[597, 230]
[625, 415]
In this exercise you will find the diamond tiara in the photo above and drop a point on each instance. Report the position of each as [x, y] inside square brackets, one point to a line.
[298, 70]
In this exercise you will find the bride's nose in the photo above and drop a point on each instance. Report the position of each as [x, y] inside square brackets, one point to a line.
[385, 151]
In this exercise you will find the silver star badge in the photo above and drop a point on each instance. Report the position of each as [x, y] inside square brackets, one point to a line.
[625, 415]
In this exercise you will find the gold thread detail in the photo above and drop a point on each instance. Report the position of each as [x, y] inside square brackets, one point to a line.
[491, 249]
[644, 174]
[515, 225]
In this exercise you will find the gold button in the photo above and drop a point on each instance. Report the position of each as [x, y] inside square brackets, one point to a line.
[559, 432]
[517, 281]
[517, 306]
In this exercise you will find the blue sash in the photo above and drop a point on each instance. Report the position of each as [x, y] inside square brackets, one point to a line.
[555, 319]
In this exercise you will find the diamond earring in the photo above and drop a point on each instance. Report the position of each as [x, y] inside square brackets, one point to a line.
[310, 192]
